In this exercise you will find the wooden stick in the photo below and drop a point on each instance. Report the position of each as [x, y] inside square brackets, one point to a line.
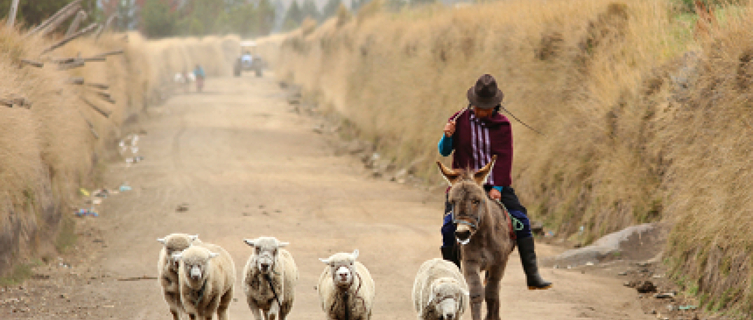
[68, 39]
[32, 63]
[63, 17]
[110, 53]
[71, 65]
[98, 86]
[106, 96]
[95, 58]
[80, 16]
[76, 80]
[91, 125]
[12, 14]
[16, 102]
[104, 113]
[54, 17]
[105, 27]
[138, 278]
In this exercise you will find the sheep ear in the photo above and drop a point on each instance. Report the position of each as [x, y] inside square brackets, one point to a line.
[431, 298]
[326, 261]
[213, 255]
[481, 175]
[178, 256]
[249, 242]
[161, 240]
[355, 254]
[450, 175]
[194, 237]
[283, 244]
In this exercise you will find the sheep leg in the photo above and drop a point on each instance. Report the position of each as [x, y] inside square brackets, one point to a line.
[223, 304]
[273, 311]
[254, 309]
[470, 272]
[491, 293]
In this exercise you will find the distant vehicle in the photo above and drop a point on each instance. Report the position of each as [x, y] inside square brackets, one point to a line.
[248, 60]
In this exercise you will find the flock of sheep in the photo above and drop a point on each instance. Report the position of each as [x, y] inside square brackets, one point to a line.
[198, 279]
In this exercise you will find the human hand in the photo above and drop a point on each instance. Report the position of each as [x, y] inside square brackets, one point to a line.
[449, 128]
[495, 194]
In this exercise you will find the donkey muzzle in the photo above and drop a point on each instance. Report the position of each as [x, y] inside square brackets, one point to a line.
[463, 233]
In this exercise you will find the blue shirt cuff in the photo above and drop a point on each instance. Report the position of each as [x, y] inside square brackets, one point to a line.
[445, 146]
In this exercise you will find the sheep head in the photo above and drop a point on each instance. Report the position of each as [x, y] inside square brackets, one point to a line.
[266, 251]
[342, 267]
[194, 263]
[175, 244]
[447, 298]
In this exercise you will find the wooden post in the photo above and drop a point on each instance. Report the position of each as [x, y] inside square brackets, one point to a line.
[12, 14]
[68, 39]
[80, 16]
[54, 17]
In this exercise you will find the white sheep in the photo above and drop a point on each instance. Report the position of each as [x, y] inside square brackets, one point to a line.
[439, 291]
[207, 278]
[269, 280]
[346, 289]
[167, 268]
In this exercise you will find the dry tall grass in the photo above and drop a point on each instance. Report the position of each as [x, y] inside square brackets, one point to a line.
[635, 129]
[48, 152]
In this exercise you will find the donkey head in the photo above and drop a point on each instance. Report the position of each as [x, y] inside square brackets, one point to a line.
[468, 198]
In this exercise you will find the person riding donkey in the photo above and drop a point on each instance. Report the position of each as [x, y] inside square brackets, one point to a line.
[476, 134]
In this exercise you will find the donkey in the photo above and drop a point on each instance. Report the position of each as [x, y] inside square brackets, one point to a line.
[483, 232]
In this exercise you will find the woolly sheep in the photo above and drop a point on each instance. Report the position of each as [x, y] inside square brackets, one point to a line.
[269, 280]
[346, 289]
[167, 268]
[207, 278]
[439, 291]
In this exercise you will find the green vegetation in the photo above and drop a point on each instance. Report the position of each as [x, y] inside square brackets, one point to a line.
[20, 273]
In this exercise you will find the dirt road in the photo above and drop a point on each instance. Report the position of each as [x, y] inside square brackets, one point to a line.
[246, 166]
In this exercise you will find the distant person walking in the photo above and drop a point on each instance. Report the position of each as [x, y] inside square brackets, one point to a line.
[198, 72]
[475, 134]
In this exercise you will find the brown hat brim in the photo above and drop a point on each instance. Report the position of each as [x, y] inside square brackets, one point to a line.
[485, 103]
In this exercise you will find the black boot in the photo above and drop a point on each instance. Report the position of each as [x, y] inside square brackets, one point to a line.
[451, 254]
[528, 258]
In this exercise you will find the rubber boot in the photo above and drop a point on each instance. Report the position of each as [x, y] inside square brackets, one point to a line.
[528, 258]
[451, 254]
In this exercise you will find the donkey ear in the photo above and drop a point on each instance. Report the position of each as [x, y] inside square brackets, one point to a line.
[481, 175]
[450, 175]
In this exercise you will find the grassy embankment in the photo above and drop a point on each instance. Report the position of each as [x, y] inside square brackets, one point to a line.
[641, 122]
[48, 151]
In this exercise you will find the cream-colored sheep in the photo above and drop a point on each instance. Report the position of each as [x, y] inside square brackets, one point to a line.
[207, 278]
[269, 280]
[346, 289]
[167, 268]
[439, 291]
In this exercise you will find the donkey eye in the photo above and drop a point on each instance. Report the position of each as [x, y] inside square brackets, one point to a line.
[476, 202]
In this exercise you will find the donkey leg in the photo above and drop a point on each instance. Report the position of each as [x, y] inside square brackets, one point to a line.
[491, 293]
[476, 289]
